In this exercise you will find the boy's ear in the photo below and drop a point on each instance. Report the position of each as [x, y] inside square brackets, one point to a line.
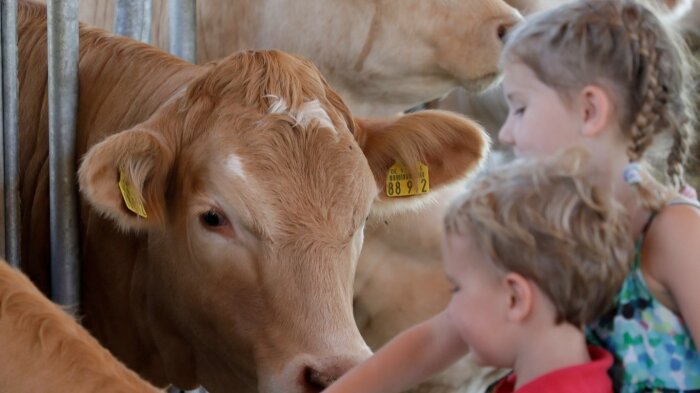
[520, 297]
[450, 145]
[596, 110]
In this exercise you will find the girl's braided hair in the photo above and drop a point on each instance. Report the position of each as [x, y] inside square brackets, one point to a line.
[623, 47]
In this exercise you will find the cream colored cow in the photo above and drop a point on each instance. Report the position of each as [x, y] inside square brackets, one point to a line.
[382, 56]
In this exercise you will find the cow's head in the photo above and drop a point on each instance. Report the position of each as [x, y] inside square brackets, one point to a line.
[256, 183]
[458, 41]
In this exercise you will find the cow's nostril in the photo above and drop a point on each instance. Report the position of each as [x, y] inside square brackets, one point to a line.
[503, 30]
[316, 381]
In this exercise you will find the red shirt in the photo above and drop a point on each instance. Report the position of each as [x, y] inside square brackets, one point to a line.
[591, 377]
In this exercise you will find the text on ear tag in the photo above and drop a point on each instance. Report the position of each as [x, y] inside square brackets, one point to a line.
[399, 181]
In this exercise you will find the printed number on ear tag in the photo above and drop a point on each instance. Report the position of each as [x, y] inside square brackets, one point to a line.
[399, 181]
[131, 198]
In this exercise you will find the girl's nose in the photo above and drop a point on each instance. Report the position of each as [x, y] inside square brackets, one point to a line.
[505, 134]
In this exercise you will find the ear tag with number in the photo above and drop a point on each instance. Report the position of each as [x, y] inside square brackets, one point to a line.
[399, 181]
[131, 198]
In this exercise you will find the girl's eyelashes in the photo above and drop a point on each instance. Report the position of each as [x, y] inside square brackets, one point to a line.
[519, 111]
[454, 289]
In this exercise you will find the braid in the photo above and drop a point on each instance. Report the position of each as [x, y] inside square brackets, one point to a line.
[645, 76]
[678, 155]
[664, 105]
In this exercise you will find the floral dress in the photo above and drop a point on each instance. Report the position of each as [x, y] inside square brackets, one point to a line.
[652, 346]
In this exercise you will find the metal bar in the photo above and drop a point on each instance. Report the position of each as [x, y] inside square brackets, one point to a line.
[63, 104]
[2, 151]
[183, 29]
[10, 93]
[132, 18]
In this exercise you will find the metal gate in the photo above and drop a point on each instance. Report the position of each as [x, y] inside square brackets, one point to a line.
[133, 19]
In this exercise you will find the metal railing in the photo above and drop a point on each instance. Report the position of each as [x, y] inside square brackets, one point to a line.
[133, 19]
[9, 161]
[63, 106]
[182, 29]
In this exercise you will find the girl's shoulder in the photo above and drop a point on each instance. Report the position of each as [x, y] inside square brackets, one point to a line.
[671, 246]
[677, 221]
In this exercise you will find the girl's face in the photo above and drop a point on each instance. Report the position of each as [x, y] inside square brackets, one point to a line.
[479, 302]
[539, 122]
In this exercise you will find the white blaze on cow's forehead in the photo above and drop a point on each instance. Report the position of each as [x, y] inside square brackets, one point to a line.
[303, 116]
[234, 164]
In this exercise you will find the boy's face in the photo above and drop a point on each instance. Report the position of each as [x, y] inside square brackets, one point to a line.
[479, 302]
[539, 122]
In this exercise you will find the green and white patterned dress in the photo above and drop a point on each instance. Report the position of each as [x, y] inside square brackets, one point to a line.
[652, 347]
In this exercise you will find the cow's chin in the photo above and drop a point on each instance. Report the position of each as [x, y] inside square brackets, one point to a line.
[482, 83]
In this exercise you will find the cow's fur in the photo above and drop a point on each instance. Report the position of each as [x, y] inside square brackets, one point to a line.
[46, 350]
[239, 283]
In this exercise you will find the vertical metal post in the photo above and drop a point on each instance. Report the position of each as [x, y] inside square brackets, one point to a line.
[10, 113]
[2, 155]
[182, 16]
[63, 104]
[132, 18]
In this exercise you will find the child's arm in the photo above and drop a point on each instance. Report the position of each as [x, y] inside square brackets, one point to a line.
[676, 252]
[406, 360]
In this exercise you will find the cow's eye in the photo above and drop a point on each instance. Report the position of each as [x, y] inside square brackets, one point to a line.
[212, 219]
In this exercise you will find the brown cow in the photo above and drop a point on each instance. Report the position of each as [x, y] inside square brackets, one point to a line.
[46, 350]
[250, 184]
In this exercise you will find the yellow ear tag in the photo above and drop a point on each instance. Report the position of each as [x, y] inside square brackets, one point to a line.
[131, 198]
[399, 181]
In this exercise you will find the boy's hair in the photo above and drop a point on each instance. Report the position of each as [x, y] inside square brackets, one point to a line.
[540, 219]
[622, 46]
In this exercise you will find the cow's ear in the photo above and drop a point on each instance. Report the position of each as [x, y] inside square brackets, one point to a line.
[448, 144]
[125, 177]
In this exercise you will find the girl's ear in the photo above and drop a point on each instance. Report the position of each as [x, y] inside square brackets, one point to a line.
[596, 110]
[520, 297]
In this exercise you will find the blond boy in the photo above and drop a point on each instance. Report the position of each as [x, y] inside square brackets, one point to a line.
[534, 253]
